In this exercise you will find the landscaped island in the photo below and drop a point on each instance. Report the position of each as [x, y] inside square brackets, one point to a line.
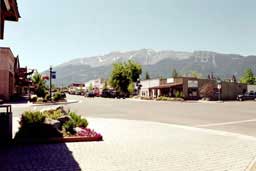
[54, 125]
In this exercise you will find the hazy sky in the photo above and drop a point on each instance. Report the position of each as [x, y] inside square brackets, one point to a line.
[55, 31]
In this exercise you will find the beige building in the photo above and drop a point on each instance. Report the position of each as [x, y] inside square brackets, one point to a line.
[14, 80]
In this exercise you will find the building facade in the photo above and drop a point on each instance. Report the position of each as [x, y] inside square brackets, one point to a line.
[7, 73]
[14, 80]
[97, 85]
[189, 88]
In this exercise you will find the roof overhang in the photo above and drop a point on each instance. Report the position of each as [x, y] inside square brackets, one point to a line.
[8, 11]
[166, 86]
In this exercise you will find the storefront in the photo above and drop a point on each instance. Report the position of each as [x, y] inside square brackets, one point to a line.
[189, 88]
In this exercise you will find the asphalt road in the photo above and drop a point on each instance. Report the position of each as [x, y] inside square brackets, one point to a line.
[237, 117]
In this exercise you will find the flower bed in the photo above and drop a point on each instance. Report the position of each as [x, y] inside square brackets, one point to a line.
[54, 125]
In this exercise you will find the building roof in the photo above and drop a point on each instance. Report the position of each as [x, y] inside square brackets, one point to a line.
[8, 11]
[167, 85]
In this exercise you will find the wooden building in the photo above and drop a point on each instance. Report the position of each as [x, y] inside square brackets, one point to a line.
[8, 12]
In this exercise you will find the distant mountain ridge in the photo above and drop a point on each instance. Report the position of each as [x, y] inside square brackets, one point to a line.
[157, 63]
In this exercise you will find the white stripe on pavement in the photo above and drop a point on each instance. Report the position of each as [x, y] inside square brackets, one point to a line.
[226, 123]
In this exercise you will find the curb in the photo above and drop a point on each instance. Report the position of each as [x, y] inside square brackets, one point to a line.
[56, 103]
[252, 165]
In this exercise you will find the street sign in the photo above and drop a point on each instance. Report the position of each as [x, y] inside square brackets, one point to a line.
[53, 74]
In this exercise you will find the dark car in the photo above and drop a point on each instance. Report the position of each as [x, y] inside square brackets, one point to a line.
[89, 94]
[120, 95]
[247, 96]
[108, 93]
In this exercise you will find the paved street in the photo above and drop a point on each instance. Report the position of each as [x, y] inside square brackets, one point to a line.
[237, 117]
[148, 135]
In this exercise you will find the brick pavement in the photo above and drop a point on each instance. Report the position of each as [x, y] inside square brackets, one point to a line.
[141, 146]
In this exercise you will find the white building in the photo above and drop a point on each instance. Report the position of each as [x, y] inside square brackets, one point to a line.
[96, 84]
[146, 84]
[251, 88]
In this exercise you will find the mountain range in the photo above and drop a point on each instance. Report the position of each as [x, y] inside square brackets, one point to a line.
[156, 63]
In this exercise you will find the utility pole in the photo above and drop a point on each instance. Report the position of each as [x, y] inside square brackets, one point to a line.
[51, 83]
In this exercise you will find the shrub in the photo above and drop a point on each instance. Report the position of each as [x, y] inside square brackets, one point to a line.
[163, 98]
[145, 98]
[57, 96]
[179, 94]
[69, 127]
[30, 117]
[33, 98]
[53, 114]
[40, 100]
[63, 95]
[47, 97]
[78, 120]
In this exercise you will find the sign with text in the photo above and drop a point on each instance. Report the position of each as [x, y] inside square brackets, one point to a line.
[192, 83]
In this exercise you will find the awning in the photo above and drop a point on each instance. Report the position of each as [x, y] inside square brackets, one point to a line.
[167, 86]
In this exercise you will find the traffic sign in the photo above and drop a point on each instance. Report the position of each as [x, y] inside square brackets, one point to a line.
[53, 74]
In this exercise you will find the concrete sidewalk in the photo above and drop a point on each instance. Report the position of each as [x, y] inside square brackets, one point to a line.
[141, 146]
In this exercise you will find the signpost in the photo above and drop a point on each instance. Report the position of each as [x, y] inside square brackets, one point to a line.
[52, 76]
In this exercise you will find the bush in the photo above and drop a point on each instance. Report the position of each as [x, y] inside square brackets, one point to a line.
[40, 100]
[78, 120]
[179, 94]
[69, 127]
[33, 98]
[163, 98]
[30, 117]
[47, 97]
[57, 96]
[146, 98]
[63, 95]
[53, 114]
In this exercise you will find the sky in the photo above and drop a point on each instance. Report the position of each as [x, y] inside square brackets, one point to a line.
[51, 32]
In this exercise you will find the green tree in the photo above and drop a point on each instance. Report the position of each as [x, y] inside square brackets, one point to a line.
[90, 88]
[147, 76]
[40, 84]
[124, 74]
[248, 77]
[131, 88]
[120, 77]
[174, 73]
[134, 70]
[196, 74]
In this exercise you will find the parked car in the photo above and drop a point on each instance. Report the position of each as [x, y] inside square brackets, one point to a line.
[247, 96]
[108, 93]
[120, 95]
[89, 94]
